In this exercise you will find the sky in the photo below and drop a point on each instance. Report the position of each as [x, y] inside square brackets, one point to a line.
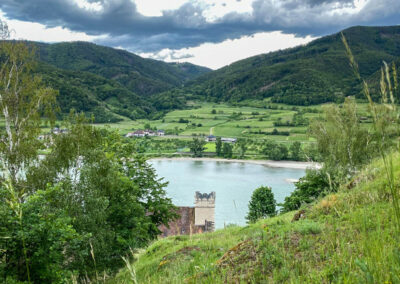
[211, 33]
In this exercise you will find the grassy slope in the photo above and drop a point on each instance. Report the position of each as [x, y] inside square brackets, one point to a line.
[345, 237]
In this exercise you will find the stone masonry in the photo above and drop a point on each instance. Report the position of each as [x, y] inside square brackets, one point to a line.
[204, 210]
[193, 220]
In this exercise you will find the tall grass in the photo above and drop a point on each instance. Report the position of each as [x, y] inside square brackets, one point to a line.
[383, 115]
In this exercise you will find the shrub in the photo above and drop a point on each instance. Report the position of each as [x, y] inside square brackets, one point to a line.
[313, 185]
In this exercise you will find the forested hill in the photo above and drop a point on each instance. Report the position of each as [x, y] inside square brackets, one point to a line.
[140, 75]
[314, 73]
[110, 83]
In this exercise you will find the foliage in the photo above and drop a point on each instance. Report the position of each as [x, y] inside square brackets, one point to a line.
[313, 185]
[304, 75]
[345, 146]
[385, 118]
[262, 204]
[79, 208]
[241, 147]
[296, 153]
[103, 195]
[139, 75]
[197, 147]
[218, 147]
[227, 150]
[275, 151]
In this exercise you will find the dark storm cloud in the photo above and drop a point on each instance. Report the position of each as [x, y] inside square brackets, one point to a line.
[186, 26]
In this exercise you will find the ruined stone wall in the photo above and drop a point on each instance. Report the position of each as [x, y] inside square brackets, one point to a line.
[204, 209]
[193, 220]
[184, 225]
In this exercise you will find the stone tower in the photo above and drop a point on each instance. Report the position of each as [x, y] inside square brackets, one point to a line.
[204, 210]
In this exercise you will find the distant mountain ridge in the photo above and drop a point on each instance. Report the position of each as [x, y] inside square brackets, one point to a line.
[109, 82]
[314, 73]
[113, 83]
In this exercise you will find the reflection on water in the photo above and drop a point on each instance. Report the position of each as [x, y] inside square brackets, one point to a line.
[232, 182]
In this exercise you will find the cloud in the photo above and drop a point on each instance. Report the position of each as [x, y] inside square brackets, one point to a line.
[216, 55]
[120, 24]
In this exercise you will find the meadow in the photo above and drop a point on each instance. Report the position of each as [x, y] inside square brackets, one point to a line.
[280, 123]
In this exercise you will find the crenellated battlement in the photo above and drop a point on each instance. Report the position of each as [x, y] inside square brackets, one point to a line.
[204, 199]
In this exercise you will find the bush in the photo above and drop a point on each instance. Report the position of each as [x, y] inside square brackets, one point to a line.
[313, 185]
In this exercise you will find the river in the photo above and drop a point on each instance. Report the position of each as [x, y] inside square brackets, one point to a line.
[233, 183]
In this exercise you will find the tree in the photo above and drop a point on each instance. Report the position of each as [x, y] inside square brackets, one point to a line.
[91, 194]
[275, 151]
[197, 147]
[227, 150]
[295, 151]
[218, 146]
[241, 147]
[262, 204]
[24, 103]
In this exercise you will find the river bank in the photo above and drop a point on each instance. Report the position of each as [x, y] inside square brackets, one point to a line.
[268, 163]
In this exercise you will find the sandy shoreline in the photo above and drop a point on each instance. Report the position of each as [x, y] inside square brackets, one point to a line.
[268, 163]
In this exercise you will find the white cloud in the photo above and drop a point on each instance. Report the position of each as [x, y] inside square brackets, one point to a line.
[218, 8]
[154, 8]
[217, 55]
[90, 6]
[212, 9]
[38, 32]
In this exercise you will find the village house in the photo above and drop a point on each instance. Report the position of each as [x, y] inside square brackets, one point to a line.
[211, 138]
[143, 133]
[228, 140]
[57, 130]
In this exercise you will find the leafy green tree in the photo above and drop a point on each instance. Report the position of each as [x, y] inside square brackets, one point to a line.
[227, 150]
[24, 100]
[275, 151]
[218, 146]
[112, 195]
[295, 151]
[79, 208]
[241, 147]
[197, 147]
[262, 204]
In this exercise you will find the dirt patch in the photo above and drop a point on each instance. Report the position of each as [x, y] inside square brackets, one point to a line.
[183, 252]
[301, 214]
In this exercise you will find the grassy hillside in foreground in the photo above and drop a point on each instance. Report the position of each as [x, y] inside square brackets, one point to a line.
[346, 237]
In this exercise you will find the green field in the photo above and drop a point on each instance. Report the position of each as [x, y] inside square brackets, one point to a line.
[201, 121]
[229, 121]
